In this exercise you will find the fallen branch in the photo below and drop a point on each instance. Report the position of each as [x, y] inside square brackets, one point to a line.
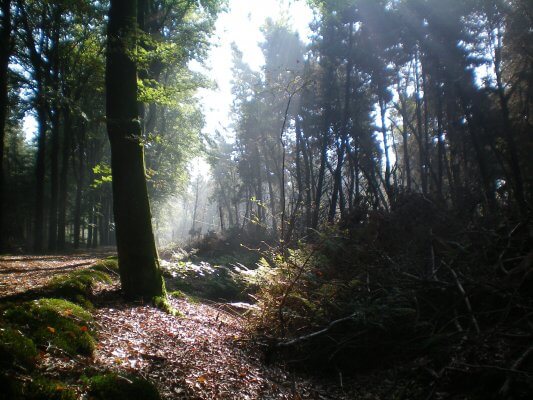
[504, 390]
[294, 341]
[465, 297]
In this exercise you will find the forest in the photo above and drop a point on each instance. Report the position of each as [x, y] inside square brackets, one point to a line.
[358, 226]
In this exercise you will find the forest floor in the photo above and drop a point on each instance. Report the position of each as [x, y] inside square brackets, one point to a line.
[202, 353]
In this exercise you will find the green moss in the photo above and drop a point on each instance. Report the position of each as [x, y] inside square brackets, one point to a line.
[77, 286]
[55, 321]
[116, 387]
[45, 389]
[178, 294]
[163, 304]
[109, 266]
[15, 348]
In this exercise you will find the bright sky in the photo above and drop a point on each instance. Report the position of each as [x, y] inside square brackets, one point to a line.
[241, 25]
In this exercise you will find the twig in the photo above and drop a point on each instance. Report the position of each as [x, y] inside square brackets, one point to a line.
[465, 297]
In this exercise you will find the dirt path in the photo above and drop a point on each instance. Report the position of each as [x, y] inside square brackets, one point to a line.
[203, 353]
[19, 274]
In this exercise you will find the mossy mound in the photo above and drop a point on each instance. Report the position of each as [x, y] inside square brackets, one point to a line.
[54, 321]
[108, 266]
[77, 286]
[35, 388]
[117, 387]
[16, 349]
[46, 389]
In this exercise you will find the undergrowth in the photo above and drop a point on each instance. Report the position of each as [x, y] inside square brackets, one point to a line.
[446, 299]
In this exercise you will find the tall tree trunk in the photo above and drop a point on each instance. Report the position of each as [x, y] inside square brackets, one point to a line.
[80, 181]
[94, 241]
[321, 175]
[419, 127]
[140, 274]
[441, 148]
[40, 173]
[5, 51]
[63, 181]
[405, 123]
[299, 179]
[40, 75]
[272, 200]
[54, 139]
[487, 183]
[192, 232]
[307, 178]
[516, 172]
[337, 178]
[383, 110]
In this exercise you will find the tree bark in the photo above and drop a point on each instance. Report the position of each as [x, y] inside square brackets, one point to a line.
[63, 181]
[140, 274]
[79, 187]
[54, 139]
[5, 51]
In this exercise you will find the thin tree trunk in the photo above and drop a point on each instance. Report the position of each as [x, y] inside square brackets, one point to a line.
[80, 181]
[63, 180]
[388, 188]
[272, 198]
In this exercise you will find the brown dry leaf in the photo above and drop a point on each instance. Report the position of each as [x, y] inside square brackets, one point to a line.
[201, 356]
[50, 329]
